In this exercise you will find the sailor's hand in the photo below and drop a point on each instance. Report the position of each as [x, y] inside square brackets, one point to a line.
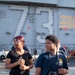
[22, 62]
[24, 67]
[62, 71]
[19, 61]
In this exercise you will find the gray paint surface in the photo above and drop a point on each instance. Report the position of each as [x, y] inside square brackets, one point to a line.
[38, 23]
[59, 3]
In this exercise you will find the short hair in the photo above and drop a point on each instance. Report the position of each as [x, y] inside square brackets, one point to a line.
[58, 41]
[52, 38]
[21, 38]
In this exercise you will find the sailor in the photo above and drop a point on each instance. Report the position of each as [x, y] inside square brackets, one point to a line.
[51, 62]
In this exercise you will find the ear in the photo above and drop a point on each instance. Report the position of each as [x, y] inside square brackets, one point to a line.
[54, 44]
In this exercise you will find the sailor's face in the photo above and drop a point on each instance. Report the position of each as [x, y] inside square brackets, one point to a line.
[49, 45]
[17, 43]
[58, 46]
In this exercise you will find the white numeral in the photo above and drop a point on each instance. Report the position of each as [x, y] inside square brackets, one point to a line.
[46, 25]
[22, 19]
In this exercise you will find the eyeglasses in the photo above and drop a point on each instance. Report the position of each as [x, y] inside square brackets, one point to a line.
[15, 41]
